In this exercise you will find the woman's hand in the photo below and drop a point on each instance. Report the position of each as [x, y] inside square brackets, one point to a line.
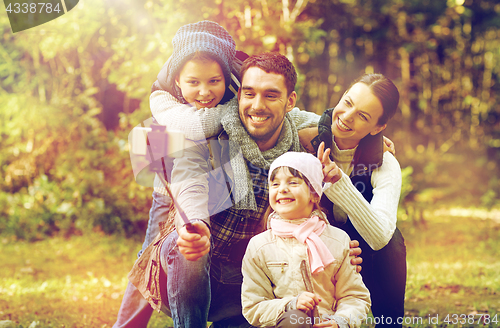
[389, 146]
[306, 136]
[194, 244]
[307, 301]
[331, 172]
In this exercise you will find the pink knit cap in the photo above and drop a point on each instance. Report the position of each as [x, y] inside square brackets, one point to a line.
[307, 164]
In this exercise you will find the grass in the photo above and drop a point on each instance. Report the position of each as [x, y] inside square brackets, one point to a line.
[453, 265]
[75, 282]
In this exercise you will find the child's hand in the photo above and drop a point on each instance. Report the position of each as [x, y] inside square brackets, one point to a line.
[331, 171]
[307, 301]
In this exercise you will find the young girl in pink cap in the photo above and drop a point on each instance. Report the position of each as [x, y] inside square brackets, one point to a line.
[274, 292]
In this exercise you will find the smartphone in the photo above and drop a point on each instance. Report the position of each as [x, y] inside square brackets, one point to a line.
[149, 145]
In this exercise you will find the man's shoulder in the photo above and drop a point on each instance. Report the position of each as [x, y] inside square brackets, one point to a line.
[303, 116]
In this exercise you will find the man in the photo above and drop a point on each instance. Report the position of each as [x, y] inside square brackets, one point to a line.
[222, 186]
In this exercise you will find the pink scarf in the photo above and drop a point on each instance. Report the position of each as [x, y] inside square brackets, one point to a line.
[308, 232]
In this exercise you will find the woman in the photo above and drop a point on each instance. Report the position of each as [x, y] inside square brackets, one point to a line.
[364, 197]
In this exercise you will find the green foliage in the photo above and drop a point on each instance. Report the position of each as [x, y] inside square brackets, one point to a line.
[491, 198]
[65, 173]
[406, 185]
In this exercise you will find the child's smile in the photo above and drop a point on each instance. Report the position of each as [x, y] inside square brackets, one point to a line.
[202, 83]
[290, 196]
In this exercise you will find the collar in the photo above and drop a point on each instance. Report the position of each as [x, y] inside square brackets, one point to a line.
[317, 213]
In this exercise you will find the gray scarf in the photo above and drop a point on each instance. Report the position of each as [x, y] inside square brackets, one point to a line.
[288, 141]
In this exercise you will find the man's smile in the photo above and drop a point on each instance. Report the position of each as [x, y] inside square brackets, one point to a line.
[258, 119]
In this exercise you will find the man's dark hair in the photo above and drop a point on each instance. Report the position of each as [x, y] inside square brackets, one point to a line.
[272, 62]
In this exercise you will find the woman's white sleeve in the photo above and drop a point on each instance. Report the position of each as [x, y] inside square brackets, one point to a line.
[376, 220]
[197, 124]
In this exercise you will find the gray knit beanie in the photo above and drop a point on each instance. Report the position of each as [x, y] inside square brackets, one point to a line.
[206, 37]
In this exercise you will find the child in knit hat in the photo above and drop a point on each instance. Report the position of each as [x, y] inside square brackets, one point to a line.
[201, 75]
[274, 291]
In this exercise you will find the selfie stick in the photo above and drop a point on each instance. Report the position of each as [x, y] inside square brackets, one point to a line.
[157, 137]
[189, 226]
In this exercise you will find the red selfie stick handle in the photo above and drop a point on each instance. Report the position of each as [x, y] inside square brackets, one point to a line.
[189, 226]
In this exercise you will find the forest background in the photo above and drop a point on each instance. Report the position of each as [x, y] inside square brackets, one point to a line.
[72, 89]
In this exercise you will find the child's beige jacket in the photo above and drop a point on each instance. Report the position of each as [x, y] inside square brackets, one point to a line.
[272, 277]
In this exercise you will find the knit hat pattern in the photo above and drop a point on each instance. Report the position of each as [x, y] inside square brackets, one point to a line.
[207, 37]
[307, 164]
